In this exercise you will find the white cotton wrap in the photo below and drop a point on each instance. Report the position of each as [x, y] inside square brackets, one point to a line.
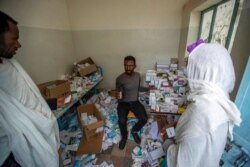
[202, 130]
[32, 136]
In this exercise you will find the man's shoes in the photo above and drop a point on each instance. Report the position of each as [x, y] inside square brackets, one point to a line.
[122, 144]
[136, 137]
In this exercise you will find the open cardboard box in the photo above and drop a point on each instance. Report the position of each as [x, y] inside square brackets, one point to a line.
[87, 70]
[90, 147]
[163, 132]
[55, 92]
[163, 125]
[89, 131]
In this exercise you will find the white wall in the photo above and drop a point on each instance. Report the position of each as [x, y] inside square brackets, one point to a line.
[124, 14]
[47, 47]
[241, 46]
[109, 30]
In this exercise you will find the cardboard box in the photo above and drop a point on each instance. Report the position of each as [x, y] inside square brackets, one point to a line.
[90, 147]
[174, 61]
[55, 89]
[161, 67]
[87, 70]
[116, 94]
[60, 157]
[164, 130]
[157, 153]
[164, 122]
[55, 92]
[89, 131]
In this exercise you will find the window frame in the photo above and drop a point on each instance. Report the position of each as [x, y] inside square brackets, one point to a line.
[231, 25]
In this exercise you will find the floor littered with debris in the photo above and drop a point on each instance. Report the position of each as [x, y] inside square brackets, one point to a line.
[111, 155]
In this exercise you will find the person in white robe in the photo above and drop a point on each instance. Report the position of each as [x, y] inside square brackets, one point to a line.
[28, 128]
[203, 129]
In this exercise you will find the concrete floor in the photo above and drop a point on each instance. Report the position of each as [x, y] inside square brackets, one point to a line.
[119, 158]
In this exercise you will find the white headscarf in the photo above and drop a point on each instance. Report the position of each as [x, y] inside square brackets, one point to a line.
[202, 130]
[211, 63]
[211, 76]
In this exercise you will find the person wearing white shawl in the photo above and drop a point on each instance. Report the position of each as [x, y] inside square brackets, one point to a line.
[208, 121]
[29, 134]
